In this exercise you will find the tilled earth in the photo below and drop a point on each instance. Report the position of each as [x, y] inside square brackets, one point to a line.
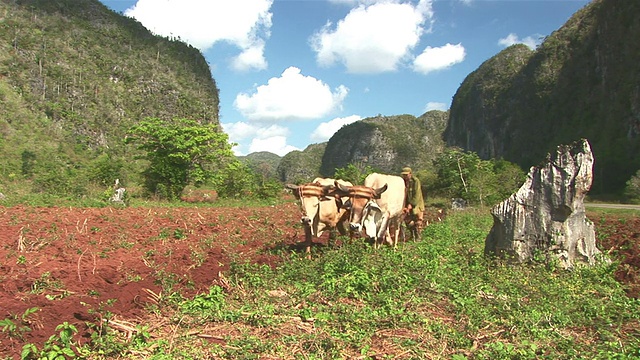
[74, 263]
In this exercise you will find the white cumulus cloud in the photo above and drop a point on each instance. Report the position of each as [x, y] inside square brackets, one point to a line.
[241, 130]
[276, 144]
[438, 58]
[202, 23]
[435, 106]
[325, 130]
[512, 39]
[272, 138]
[373, 38]
[292, 96]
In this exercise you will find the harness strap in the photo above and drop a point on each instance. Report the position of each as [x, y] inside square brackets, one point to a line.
[362, 192]
[309, 191]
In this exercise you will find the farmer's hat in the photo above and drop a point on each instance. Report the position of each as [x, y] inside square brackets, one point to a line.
[406, 170]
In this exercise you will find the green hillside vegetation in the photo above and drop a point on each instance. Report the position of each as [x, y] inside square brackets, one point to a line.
[387, 143]
[483, 89]
[263, 163]
[74, 77]
[301, 166]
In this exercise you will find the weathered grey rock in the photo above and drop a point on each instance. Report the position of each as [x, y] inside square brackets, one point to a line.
[458, 204]
[546, 215]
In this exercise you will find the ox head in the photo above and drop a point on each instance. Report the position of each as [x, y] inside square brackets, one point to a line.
[311, 197]
[364, 210]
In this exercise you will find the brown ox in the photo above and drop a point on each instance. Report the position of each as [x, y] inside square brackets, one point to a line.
[376, 207]
[321, 208]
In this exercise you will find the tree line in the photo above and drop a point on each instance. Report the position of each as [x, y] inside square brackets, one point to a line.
[173, 155]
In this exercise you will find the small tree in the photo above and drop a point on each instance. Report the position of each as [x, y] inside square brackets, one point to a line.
[464, 175]
[632, 190]
[104, 169]
[235, 180]
[455, 169]
[180, 152]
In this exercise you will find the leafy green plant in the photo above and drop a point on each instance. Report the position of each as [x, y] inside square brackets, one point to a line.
[179, 234]
[45, 282]
[15, 327]
[8, 326]
[207, 306]
[57, 347]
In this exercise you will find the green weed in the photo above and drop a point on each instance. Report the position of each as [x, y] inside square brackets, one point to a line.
[15, 326]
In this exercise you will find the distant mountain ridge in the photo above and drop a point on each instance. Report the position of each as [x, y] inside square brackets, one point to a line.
[582, 82]
[387, 143]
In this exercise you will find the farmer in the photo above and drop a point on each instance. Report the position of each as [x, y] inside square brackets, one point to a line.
[414, 203]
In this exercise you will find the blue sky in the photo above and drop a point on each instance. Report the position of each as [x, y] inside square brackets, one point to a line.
[292, 72]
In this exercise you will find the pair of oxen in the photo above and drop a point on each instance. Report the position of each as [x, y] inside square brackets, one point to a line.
[373, 209]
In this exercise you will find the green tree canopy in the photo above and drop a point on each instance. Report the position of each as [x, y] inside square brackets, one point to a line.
[463, 174]
[180, 152]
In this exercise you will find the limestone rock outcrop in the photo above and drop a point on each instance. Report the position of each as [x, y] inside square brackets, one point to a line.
[546, 216]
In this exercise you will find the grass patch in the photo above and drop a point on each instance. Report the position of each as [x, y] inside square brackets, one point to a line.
[436, 298]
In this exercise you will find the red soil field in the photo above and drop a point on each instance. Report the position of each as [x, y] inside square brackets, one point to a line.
[72, 262]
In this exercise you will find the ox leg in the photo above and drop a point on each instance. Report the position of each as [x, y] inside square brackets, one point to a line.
[308, 241]
[387, 238]
[411, 224]
[394, 230]
[418, 230]
[332, 238]
[412, 231]
[383, 231]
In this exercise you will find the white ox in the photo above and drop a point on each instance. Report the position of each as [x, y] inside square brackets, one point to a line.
[321, 208]
[376, 207]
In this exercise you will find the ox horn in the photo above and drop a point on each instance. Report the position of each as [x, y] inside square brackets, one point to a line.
[379, 191]
[295, 189]
[341, 189]
[327, 189]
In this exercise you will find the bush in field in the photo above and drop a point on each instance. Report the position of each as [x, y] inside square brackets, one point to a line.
[58, 176]
[238, 180]
[105, 169]
[235, 180]
[269, 189]
[462, 174]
